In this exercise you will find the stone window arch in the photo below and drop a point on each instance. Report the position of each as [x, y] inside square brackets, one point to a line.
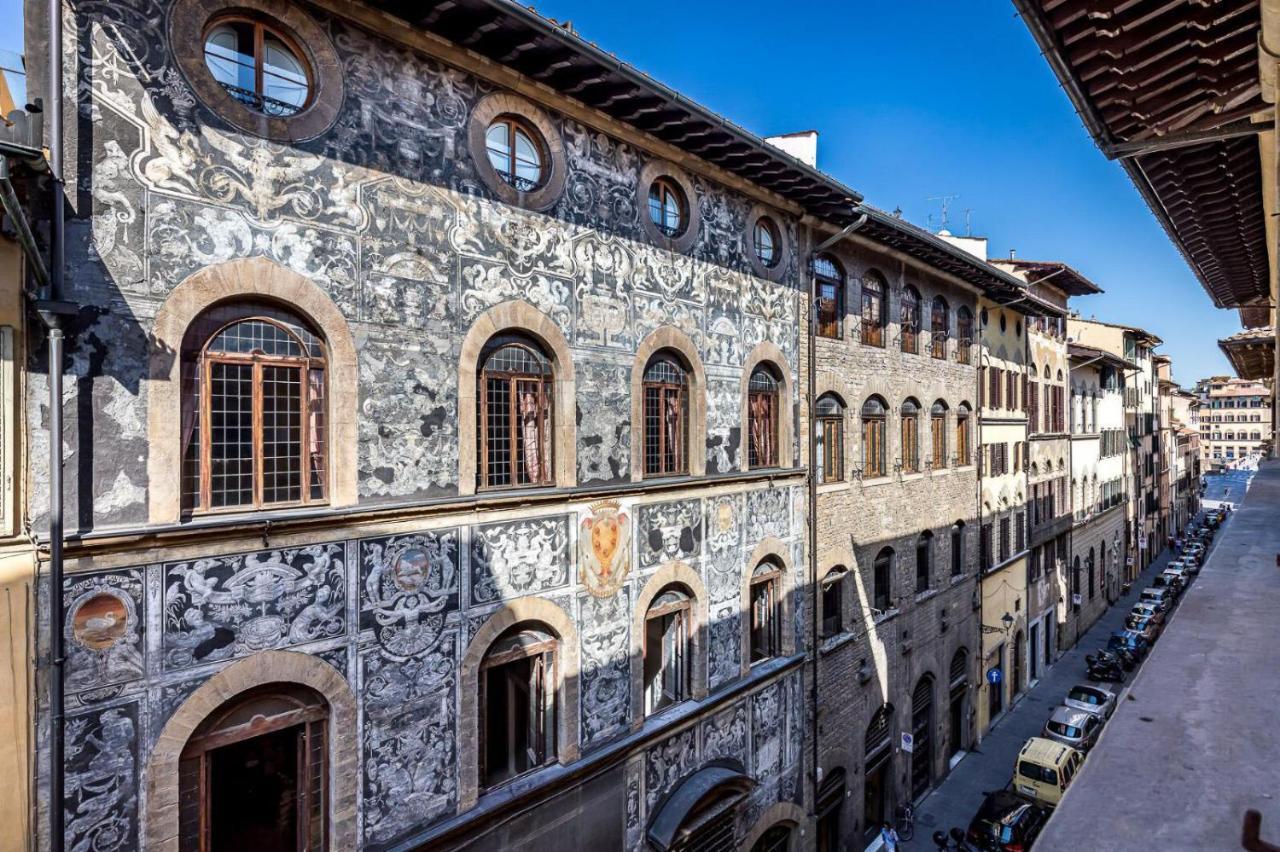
[517, 319]
[828, 433]
[782, 827]
[668, 341]
[282, 669]
[679, 577]
[497, 108]
[538, 614]
[874, 434]
[257, 280]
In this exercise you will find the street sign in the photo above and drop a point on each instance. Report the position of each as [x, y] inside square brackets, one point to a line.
[994, 675]
[908, 742]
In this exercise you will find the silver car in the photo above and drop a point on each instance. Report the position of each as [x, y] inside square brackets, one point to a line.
[1076, 728]
[1091, 699]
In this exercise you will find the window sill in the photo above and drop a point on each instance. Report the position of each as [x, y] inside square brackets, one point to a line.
[921, 597]
[833, 643]
[879, 480]
[830, 487]
[909, 477]
[887, 615]
[957, 579]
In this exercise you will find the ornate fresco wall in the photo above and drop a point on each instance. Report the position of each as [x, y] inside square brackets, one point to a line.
[386, 213]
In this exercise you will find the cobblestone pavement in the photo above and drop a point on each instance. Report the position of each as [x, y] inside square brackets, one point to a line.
[990, 767]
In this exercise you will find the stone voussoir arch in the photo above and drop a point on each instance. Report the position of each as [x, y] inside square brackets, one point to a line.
[523, 318]
[670, 574]
[518, 611]
[780, 812]
[260, 669]
[250, 278]
[668, 337]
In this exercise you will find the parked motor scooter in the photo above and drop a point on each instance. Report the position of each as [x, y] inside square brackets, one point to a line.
[1103, 671]
[1122, 658]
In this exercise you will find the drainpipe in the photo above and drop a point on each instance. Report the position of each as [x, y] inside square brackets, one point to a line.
[51, 315]
[812, 381]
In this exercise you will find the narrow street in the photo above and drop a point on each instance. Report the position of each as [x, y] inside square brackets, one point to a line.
[990, 766]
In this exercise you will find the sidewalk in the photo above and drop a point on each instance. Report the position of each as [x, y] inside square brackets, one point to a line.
[990, 767]
[1198, 742]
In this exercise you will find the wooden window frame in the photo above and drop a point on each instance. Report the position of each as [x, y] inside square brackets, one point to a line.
[964, 336]
[305, 364]
[938, 438]
[260, 30]
[939, 311]
[770, 580]
[667, 187]
[909, 320]
[312, 802]
[832, 617]
[962, 438]
[874, 294]
[545, 415]
[547, 656]
[831, 432]
[924, 563]
[683, 608]
[882, 592]
[828, 307]
[909, 439]
[768, 416]
[873, 449]
[766, 224]
[664, 391]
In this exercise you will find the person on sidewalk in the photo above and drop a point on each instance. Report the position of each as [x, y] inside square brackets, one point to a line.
[888, 838]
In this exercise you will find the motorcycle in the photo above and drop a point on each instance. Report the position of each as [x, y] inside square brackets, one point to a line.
[1102, 671]
[1122, 658]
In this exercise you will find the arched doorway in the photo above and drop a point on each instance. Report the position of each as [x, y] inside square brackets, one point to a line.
[959, 686]
[877, 756]
[922, 737]
[830, 803]
[777, 838]
[253, 774]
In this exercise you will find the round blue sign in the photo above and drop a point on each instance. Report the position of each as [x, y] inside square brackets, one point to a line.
[994, 675]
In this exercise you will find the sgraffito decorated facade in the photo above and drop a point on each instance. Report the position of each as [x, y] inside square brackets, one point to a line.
[385, 217]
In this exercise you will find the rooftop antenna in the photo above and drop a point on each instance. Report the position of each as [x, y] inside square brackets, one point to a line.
[946, 207]
[968, 221]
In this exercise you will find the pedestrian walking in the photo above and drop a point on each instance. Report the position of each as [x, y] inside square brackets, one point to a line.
[888, 838]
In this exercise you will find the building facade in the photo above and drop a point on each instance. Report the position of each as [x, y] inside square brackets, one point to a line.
[1235, 420]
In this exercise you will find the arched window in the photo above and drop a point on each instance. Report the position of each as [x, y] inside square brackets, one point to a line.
[941, 327]
[1075, 581]
[272, 738]
[254, 427]
[938, 434]
[959, 688]
[882, 582]
[668, 208]
[666, 416]
[763, 392]
[964, 335]
[924, 561]
[1092, 574]
[829, 435]
[833, 585]
[829, 289]
[667, 626]
[518, 703]
[910, 320]
[766, 618]
[516, 426]
[910, 436]
[515, 152]
[776, 838]
[877, 745]
[873, 313]
[257, 65]
[962, 435]
[957, 549]
[873, 452]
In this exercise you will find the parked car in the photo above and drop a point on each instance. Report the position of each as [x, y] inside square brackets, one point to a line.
[1160, 598]
[1006, 822]
[1075, 728]
[1147, 610]
[1181, 571]
[1172, 582]
[1044, 769]
[1091, 699]
[1130, 641]
[1145, 627]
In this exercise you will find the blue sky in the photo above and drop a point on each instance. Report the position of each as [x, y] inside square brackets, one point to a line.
[913, 100]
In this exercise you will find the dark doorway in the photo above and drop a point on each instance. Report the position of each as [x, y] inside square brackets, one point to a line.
[253, 793]
[956, 716]
[830, 803]
[922, 737]
[1017, 662]
[1034, 653]
[875, 797]
[995, 687]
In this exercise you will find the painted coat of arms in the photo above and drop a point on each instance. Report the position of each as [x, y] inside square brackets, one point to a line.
[604, 548]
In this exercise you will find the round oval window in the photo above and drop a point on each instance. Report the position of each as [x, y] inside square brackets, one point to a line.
[765, 239]
[514, 152]
[258, 66]
[667, 207]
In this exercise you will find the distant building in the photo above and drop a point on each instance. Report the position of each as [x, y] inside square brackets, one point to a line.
[1235, 420]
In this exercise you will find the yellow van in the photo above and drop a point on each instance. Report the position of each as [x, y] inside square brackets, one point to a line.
[1044, 769]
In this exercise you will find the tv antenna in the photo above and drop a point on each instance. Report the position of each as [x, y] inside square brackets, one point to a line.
[946, 206]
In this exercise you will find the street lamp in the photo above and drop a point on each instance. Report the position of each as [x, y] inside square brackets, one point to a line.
[1006, 619]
